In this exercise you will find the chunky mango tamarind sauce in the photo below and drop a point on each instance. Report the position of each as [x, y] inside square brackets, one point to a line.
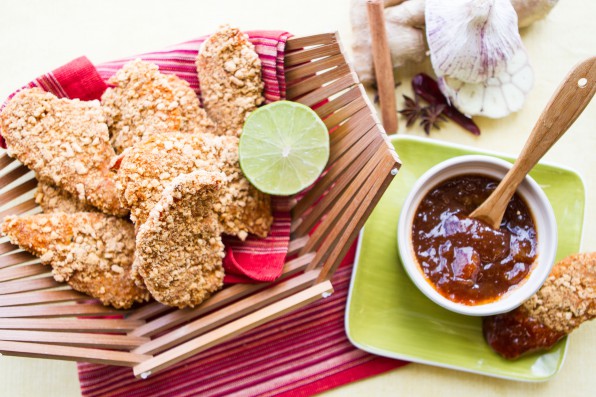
[466, 260]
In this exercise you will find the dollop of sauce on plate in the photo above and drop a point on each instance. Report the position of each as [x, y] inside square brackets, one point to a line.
[464, 259]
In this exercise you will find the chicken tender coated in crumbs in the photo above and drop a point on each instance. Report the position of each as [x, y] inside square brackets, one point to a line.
[229, 72]
[145, 101]
[565, 301]
[179, 248]
[148, 167]
[53, 199]
[92, 252]
[568, 297]
[65, 142]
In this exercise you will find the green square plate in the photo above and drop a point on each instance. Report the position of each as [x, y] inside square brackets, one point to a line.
[387, 315]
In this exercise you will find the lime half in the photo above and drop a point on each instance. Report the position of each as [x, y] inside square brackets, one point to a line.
[284, 147]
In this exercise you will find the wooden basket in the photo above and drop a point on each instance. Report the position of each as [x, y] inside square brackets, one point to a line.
[40, 317]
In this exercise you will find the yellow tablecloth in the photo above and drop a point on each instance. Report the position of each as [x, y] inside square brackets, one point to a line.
[37, 36]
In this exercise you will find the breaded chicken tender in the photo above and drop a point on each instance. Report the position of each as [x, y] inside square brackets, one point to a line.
[179, 248]
[92, 252]
[229, 72]
[145, 101]
[148, 167]
[53, 199]
[65, 142]
[565, 301]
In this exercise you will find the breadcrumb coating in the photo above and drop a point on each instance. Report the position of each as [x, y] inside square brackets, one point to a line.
[229, 72]
[145, 101]
[568, 297]
[92, 252]
[65, 142]
[179, 248]
[148, 167]
[53, 199]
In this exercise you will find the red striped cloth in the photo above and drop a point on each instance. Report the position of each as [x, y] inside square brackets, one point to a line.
[300, 354]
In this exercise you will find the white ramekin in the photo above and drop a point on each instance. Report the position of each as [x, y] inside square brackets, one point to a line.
[544, 220]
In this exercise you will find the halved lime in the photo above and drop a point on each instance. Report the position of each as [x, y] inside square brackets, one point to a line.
[284, 147]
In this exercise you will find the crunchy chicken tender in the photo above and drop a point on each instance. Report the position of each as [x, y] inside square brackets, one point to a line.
[92, 252]
[65, 142]
[145, 101]
[565, 301]
[148, 167]
[179, 248]
[53, 199]
[230, 76]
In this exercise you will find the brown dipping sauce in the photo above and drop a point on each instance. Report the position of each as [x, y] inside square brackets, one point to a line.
[466, 260]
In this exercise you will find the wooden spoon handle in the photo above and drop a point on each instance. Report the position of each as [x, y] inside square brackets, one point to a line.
[567, 103]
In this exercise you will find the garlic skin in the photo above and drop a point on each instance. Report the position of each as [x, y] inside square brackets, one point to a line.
[498, 96]
[478, 56]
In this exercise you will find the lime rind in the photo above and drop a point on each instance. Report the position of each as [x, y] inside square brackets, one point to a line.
[284, 148]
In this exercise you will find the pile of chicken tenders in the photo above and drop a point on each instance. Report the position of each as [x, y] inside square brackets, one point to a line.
[137, 190]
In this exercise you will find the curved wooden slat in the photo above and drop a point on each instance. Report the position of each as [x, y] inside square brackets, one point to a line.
[314, 82]
[19, 208]
[16, 272]
[330, 199]
[41, 297]
[298, 43]
[297, 74]
[345, 112]
[340, 213]
[15, 259]
[11, 287]
[98, 341]
[13, 175]
[343, 136]
[335, 105]
[74, 310]
[301, 56]
[357, 153]
[149, 310]
[98, 356]
[18, 191]
[7, 247]
[316, 97]
[5, 160]
[337, 249]
[74, 325]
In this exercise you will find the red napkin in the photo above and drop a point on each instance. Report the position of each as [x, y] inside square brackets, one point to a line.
[253, 260]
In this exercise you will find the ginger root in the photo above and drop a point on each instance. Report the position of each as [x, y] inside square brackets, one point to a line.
[405, 30]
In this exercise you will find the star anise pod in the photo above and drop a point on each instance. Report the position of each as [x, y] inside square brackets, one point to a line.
[412, 110]
[431, 116]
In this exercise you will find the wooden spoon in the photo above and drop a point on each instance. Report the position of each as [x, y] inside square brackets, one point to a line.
[568, 102]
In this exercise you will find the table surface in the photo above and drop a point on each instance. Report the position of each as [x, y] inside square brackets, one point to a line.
[37, 36]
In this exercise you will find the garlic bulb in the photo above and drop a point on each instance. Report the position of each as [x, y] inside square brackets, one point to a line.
[478, 55]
